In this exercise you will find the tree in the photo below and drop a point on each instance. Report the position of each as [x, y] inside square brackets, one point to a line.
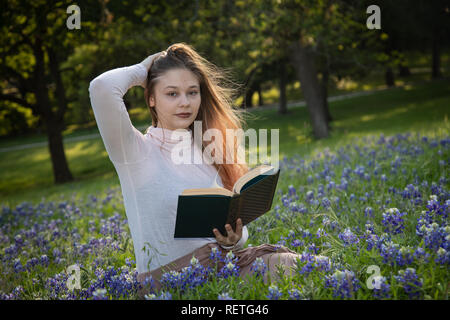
[34, 42]
[319, 38]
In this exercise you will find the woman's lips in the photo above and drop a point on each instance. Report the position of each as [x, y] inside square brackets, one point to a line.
[183, 115]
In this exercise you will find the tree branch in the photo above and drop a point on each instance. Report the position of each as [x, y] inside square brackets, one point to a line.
[12, 98]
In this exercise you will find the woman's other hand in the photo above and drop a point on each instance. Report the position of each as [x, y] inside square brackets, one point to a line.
[232, 236]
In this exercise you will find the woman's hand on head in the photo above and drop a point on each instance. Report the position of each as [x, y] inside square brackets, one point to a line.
[232, 236]
[147, 62]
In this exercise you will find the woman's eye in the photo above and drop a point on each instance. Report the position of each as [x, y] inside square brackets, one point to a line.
[173, 94]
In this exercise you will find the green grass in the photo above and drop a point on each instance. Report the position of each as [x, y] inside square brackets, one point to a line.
[423, 108]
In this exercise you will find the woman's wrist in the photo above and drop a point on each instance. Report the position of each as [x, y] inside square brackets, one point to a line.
[228, 247]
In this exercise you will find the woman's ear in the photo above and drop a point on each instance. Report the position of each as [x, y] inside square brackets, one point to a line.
[150, 98]
[151, 101]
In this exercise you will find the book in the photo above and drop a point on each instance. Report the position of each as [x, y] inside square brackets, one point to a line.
[199, 211]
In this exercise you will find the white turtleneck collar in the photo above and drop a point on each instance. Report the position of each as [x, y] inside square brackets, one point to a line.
[167, 138]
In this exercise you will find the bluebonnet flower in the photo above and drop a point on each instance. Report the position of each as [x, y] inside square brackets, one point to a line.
[259, 267]
[393, 221]
[330, 185]
[19, 240]
[295, 294]
[274, 293]
[44, 260]
[344, 184]
[359, 171]
[18, 266]
[436, 237]
[297, 243]
[16, 294]
[215, 255]
[129, 262]
[321, 233]
[348, 237]
[369, 228]
[163, 296]
[189, 277]
[224, 296]
[229, 270]
[320, 191]
[31, 263]
[292, 191]
[309, 262]
[100, 294]
[326, 203]
[393, 254]
[410, 282]
[443, 256]
[381, 288]
[411, 192]
[173, 279]
[343, 283]
[309, 195]
[433, 205]
[421, 256]
[148, 283]
[368, 212]
[56, 285]
[297, 207]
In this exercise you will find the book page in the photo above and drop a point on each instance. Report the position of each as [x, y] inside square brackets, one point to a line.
[206, 191]
[263, 169]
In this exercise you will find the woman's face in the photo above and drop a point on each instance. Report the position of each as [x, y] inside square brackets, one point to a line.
[176, 92]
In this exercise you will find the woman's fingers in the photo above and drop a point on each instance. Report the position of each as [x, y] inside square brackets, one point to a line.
[147, 62]
[239, 227]
[232, 237]
[219, 237]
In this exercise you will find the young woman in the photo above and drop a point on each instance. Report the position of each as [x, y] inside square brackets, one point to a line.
[180, 87]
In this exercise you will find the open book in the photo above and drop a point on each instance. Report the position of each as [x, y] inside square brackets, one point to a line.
[199, 211]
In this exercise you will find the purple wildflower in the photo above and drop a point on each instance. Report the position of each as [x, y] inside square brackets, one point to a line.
[259, 267]
[295, 294]
[348, 237]
[224, 296]
[343, 283]
[393, 221]
[274, 293]
[381, 288]
[410, 282]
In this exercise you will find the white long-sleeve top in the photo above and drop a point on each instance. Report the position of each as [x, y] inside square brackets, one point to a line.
[149, 179]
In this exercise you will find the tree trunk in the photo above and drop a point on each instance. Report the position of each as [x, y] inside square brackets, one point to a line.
[389, 77]
[61, 171]
[283, 81]
[403, 70]
[54, 123]
[248, 98]
[324, 85]
[260, 97]
[436, 57]
[304, 64]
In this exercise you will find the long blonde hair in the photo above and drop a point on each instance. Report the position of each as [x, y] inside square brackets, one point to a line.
[216, 110]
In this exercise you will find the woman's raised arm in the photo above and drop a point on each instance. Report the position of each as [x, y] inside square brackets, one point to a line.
[123, 142]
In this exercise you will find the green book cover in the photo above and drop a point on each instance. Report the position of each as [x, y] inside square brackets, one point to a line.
[199, 214]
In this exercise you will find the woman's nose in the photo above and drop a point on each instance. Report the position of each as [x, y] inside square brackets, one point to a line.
[184, 100]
